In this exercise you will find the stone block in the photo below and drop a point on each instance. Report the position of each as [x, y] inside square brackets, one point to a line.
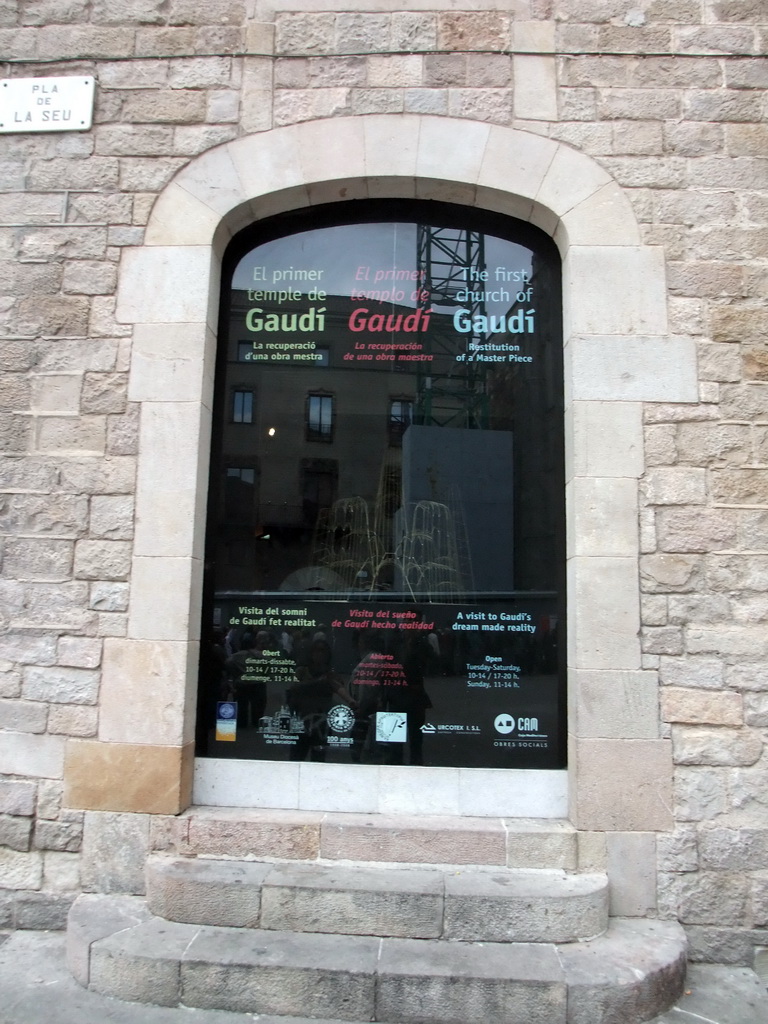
[87, 277]
[38, 558]
[92, 918]
[426, 101]
[636, 969]
[49, 799]
[428, 981]
[624, 785]
[31, 755]
[614, 705]
[141, 964]
[152, 288]
[357, 901]
[61, 872]
[30, 514]
[61, 685]
[127, 777]
[304, 33]
[102, 559]
[79, 651]
[150, 174]
[445, 70]
[53, 393]
[522, 906]
[716, 746]
[23, 716]
[195, 139]
[206, 892]
[43, 911]
[281, 973]
[64, 836]
[289, 835]
[15, 832]
[734, 849]
[706, 897]
[17, 797]
[677, 851]
[740, 486]
[756, 710]
[179, 579]
[533, 843]
[632, 873]
[700, 793]
[109, 597]
[394, 71]
[61, 435]
[20, 870]
[413, 30]
[115, 847]
[690, 530]
[415, 840]
[112, 516]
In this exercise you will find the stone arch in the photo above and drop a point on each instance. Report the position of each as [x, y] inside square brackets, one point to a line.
[617, 355]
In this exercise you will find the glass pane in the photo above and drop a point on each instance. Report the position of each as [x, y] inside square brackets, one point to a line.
[400, 599]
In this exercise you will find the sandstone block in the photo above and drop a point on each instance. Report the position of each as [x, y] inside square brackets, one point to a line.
[690, 530]
[692, 608]
[53, 316]
[445, 69]
[670, 572]
[393, 71]
[723, 363]
[199, 72]
[361, 33]
[178, 106]
[232, 39]
[739, 323]
[112, 517]
[60, 685]
[72, 720]
[740, 486]
[481, 30]
[426, 101]
[130, 140]
[102, 559]
[623, 784]
[482, 104]
[125, 236]
[149, 174]
[19, 870]
[160, 42]
[676, 485]
[746, 139]
[694, 744]
[31, 207]
[701, 707]
[373, 101]
[94, 172]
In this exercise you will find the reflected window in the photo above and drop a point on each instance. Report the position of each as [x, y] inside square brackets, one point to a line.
[400, 418]
[320, 418]
[242, 407]
[244, 351]
[239, 494]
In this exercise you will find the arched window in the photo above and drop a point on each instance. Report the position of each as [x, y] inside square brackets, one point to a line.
[385, 540]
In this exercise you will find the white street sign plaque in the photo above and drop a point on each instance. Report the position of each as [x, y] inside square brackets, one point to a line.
[46, 104]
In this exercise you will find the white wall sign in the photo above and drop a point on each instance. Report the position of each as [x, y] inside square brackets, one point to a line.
[46, 104]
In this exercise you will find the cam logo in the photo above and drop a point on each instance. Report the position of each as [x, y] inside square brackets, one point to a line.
[504, 724]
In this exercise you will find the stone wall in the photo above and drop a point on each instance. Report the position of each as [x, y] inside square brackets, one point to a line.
[686, 138]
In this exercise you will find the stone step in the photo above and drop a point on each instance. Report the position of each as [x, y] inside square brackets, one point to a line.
[466, 904]
[118, 948]
[404, 839]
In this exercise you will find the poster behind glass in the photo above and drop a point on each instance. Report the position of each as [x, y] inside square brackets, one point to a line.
[385, 535]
